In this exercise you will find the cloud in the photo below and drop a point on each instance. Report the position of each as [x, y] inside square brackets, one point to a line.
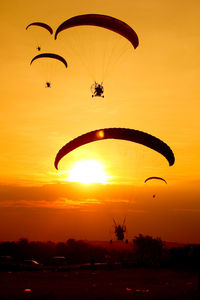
[54, 211]
[64, 195]
[192, 210]
[108, 197]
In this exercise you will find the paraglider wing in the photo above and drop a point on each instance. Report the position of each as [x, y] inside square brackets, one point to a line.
[43, 25]
[115, 223]
[124, 222]
[132, 135]
[102, 21]
[50, 55]
[155, 177]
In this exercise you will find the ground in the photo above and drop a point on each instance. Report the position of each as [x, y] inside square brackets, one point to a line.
[102, 284]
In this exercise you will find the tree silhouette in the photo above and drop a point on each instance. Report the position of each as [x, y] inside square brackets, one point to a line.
[147, 250]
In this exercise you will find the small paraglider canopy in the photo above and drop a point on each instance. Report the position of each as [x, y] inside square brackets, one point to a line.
[47, 67]
[50, 55]
[104, 21]
[41, 24]
[155, 177]
[131, 135]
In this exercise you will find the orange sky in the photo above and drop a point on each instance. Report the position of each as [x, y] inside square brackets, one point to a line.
[154, 88]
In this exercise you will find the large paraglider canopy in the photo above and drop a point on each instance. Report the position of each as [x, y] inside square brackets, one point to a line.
[104, 21]
[43, 25]
[50, 55]
[155, 177]
[132, 135]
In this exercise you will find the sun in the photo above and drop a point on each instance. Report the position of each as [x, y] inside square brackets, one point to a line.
[88, 171]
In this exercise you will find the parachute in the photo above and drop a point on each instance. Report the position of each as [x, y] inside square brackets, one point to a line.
[131, 135]
[50, 55]
[104, 21]
[43, 25]
[155, 177]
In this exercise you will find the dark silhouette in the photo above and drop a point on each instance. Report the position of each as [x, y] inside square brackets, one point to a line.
[147, 250]
[155, 177]
[104, 21]
[125, 134]
[119, 230]
[97, 90]
[50, 55]
[93, 268]
[42, 25]
[48, 84]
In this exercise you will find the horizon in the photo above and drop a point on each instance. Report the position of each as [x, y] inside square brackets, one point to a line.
[101, 243]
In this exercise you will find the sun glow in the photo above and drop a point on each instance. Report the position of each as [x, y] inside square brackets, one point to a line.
[88, 171]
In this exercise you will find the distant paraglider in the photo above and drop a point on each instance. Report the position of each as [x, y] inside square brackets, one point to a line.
[50, 55]
[155, 177]
[48, 84]
[120, 230]
[97, 90]
[41, 24]
[131, 135]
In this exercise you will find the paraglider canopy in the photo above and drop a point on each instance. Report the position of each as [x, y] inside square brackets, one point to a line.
[41, 24]
[104, 21]
[47, 68]
[50, 55]
[155, 177]
[131, 135]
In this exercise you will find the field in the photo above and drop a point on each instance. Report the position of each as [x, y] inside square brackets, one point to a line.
[101, 284]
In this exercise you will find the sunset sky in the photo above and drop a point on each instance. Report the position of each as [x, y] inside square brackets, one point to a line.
[154, 88]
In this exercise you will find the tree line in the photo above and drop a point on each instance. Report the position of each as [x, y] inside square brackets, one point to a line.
[144, 251]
